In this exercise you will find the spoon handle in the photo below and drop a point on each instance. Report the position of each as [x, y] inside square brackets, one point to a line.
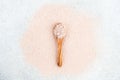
[59, 55]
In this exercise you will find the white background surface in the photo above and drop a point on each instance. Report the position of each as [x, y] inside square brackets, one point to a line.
[14, 15]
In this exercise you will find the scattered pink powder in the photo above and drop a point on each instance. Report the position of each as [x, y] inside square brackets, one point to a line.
[39, 46]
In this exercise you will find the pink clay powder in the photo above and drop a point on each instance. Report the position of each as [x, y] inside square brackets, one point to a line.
[39, 45]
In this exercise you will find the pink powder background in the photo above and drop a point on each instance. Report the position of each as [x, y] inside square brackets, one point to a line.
[39, 46]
